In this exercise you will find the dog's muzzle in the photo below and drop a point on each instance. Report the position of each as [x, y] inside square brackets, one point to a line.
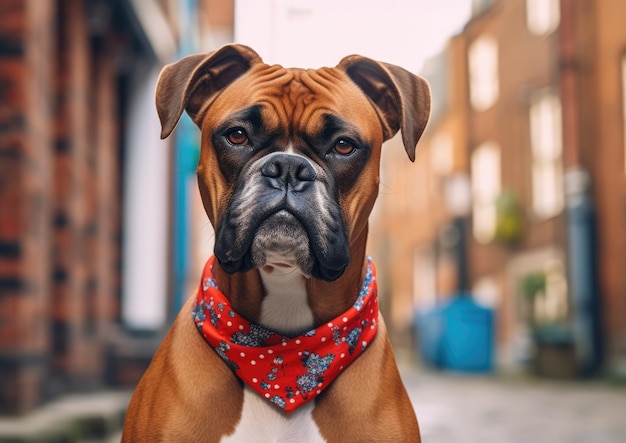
[285, 205]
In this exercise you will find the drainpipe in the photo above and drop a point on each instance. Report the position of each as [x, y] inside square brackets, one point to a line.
[579, 217]
[186, 156]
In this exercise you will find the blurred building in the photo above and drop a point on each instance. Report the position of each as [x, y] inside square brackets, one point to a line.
[87, 231]
[414, 217]
[528, 122]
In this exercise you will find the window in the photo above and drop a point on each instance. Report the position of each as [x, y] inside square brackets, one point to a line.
[483, 73]
[542, 16]
[486, 186]
[624, 106]
[546, 147]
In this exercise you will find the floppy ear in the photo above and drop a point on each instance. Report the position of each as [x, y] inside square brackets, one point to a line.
[192, 82]
[401, 99]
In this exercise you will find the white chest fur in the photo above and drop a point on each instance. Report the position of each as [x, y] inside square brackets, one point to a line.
[284, 309]
[262, 422]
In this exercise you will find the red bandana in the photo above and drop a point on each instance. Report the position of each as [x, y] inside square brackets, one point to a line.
[286, 371]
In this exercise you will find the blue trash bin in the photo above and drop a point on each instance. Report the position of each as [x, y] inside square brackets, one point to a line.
[457, 335]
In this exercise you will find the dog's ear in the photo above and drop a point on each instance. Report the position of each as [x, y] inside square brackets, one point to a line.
[190, 83]
[401, 98]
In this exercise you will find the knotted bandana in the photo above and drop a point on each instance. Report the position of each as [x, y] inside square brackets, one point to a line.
[287, 372]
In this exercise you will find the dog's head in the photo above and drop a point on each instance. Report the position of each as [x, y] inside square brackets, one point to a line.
[289, 164]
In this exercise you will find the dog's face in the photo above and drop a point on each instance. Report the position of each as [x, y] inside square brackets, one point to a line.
[289, 150]
[289, 164]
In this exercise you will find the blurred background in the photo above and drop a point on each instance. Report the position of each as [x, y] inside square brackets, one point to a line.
[500, 251]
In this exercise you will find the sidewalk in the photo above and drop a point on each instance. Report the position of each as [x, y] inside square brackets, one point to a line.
[86, 418]
[454, 408]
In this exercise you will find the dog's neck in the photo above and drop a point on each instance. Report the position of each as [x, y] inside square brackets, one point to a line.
[285, 308]
[283, 300]
[306, 363]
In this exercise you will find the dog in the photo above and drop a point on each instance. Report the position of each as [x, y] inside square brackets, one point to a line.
[283, 341]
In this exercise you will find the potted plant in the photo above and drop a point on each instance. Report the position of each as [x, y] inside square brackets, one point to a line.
[552, 335]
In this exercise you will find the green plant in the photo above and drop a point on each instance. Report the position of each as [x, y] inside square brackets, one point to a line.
[532, 284]
[509, 218]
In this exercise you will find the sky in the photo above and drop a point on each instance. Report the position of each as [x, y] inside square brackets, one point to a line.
[314, 33]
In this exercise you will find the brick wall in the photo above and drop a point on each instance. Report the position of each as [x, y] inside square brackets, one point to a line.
[26, 45]
[73, 196]
[59, 201]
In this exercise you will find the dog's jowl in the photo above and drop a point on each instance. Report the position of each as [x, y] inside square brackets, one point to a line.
[283, 341]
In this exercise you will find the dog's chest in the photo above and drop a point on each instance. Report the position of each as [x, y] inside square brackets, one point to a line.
[263, 423]
[284, 308]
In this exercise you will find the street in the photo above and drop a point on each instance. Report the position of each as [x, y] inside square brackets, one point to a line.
[450, 407]
[454, 408]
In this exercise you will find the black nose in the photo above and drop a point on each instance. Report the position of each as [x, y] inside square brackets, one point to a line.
[288, 172]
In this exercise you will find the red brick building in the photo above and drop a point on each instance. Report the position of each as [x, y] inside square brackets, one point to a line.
[87, 189]
[529, 104]
[64, 70]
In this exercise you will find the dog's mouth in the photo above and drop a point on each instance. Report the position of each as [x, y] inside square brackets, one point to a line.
[282, 241]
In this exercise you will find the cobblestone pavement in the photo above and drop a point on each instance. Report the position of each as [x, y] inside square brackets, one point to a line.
[454, 408]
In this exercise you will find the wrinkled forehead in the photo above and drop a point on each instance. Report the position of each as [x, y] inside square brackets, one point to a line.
[307, 101]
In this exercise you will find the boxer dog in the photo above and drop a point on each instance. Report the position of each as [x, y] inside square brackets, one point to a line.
[283, 341]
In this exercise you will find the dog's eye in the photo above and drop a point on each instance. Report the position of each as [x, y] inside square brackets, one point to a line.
[344, 147]
[237, 136]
